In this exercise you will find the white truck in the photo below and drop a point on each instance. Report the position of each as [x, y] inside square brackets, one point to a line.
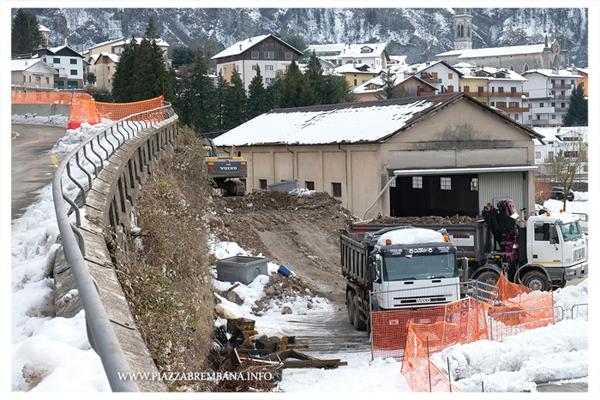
[409, 267]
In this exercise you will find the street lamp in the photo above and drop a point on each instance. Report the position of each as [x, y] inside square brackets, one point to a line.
[530, 111]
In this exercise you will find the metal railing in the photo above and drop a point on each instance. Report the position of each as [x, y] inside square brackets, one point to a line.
[511, 323]
[577, 309]
[100, 147]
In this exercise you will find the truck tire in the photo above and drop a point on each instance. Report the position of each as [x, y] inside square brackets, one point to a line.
[489, 277]
[536, 280]
[358, 323]
[350, 306]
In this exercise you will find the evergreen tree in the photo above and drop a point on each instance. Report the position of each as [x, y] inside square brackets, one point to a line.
[291, 87]
[220, 100]
[125, 78]
[25, 33]
[389, 86]
[182, 56]
[202, 97]
[234, 112]
[577, 114]
[151, 30]
[294, 40]
[257, 97]
[337, 90]
[314, 87]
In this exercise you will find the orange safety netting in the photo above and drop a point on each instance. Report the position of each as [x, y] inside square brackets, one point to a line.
[47, 97]
[93, 112]
[466, 322]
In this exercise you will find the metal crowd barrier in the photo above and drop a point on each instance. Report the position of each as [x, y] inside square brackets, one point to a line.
[575, 310]
[103, 338]
[511, 323]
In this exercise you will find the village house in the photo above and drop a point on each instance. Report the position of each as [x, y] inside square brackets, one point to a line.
[103, 66]
[116, 46]
[271, 54]
[372, 55]
[69, 64]
[550, 93]
[31, 75]
[404, 86]
[444, 77]
[449, 154]
[497, 87]
[557, 139]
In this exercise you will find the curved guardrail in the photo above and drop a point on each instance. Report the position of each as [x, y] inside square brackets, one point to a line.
[89, 158]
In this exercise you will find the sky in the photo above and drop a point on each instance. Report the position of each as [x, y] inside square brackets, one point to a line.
[65, 337]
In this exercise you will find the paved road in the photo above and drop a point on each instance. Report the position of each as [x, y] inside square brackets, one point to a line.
[32, 166]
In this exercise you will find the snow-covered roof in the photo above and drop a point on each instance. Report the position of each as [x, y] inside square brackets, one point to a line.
[378, 81]
[495, 51]
[353, 69]
[491, 71]
[557, 133]
[365, 122]
[114, 57]
[25, 64]
[244, 45]
[43, 28]
[398, 59]
[416, 68]
[357, 50]
[562, 73]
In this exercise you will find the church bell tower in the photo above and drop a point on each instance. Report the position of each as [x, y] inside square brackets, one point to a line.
[463, 29]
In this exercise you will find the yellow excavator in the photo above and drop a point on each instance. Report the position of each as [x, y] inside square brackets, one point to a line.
[226, 171]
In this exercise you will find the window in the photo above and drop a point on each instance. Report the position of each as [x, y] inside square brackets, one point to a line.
[445, 183]
[73, 72]
[541, 105]
[516, 117]
[73, 61]
[514, 104]
[492, 103]
[336, 188]
[551, 80]
[269, 55]
[288, 55]
[553, 104]
[355, 83]
[417, 182]
[268, 67]
[541, 232]
[563, 105]
[29, 78]
[474, 184]
[553, 116]
[310, 185]
[269, 80]
[47, 81]
[254, 67]
[237, 68]
[571, 154]
[501, 104]
[449, 76]
[56, 60]
[262, 183]
[501, 90]
[538, 155]
[254, 55]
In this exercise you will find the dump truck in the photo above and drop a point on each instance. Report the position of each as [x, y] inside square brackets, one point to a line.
[225, 172]
[541, 252]
[408, 267]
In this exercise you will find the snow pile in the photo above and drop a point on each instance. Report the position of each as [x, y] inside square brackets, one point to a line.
[74, 137]
[34, 119]
[554, 352]
[302, 192]
[572, 206]
[551, 353]
[581, 196]
[411, 236]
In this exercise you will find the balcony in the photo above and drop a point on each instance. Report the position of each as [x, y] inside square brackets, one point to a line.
[538, 122]
[558, 109]
[562, 97]
[514, 109]
[562, 86]
[496, 94]
[432, 80]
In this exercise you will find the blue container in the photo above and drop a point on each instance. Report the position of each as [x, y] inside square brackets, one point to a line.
[284, 271]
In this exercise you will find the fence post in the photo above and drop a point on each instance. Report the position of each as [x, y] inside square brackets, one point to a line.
[428, 364]
[449, 375]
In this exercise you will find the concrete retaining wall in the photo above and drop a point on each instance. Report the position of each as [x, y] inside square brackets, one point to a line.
[111, 202]
[43, 110]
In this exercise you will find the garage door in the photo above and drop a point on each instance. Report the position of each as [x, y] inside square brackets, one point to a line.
[497, 186]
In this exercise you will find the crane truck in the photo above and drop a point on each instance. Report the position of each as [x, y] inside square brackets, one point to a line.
[540, 252]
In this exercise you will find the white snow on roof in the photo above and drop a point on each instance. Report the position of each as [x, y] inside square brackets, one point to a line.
[495, 51]
[355, 50]
[351, 69]
[378, 81]
[554, 73]
[22, 65]
[557, 133]
[339, 125]
[43, 28]
[411, 236]
[510, 75]
[413, 68]
[240, 47]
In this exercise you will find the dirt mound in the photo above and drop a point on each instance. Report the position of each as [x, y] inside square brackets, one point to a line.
[431, 220]
[281, 289]
[300, 231]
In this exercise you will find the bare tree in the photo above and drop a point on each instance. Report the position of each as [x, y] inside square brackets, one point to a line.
[569, 161]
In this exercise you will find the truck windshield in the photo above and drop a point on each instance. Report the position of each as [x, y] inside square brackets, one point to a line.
[420, 267]
[571, 231]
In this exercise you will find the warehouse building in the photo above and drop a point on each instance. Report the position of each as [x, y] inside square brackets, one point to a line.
[449, 154]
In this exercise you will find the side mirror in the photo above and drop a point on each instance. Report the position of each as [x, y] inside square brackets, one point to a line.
[553, 235]
[464, 263]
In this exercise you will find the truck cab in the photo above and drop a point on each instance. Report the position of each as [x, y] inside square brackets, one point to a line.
[556, 242]
[412, 267]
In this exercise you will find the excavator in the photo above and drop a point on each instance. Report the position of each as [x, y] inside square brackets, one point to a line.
[225, 171]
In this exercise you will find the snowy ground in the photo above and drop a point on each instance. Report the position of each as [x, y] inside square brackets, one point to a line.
[34, 119]
[56, 353]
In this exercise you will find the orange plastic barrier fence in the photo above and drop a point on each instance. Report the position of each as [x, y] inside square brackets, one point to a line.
[47, 97]
[390, 328]
[93, 112]
[466, 322]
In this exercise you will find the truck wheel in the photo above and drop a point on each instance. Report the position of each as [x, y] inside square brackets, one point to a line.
[489, 277]
[350, 306]
[536, 280]
[359, 324]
